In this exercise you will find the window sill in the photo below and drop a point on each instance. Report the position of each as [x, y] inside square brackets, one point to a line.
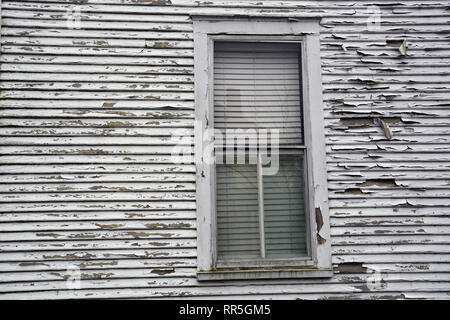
[284, 273]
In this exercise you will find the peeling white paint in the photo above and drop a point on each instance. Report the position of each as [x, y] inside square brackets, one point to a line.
[88, 179]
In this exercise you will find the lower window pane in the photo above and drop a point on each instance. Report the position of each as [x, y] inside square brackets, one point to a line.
[237, 212]
[284, 209]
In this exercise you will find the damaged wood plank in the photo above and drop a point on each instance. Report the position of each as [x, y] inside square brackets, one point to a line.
[157, 235]
[97, 205]
[118, 264]
[99, 215]
[96, 244]
[98, 225]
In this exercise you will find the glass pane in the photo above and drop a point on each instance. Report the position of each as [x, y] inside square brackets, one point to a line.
[256, 88]
[237, 211]
[284, 209]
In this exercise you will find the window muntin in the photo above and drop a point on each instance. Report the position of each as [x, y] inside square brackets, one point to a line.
[260, 216]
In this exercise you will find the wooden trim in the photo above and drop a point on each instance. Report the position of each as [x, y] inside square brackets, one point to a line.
[282, 273]
[315, 139]
[204, 169]
[266, 263]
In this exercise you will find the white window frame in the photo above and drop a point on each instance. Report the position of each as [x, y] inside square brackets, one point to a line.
[305, 31]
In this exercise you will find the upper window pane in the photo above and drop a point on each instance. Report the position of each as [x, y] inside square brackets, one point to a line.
[257, 86]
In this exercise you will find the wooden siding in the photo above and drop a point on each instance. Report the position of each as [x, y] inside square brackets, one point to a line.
[88, 179]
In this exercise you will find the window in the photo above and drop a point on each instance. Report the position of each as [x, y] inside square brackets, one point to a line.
[260, 153]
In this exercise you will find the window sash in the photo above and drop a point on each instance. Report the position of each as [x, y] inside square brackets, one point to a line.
[298, 147]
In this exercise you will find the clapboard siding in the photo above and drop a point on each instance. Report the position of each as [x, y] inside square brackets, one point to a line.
[88, 178]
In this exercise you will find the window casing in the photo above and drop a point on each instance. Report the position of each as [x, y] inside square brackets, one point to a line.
[309, 151]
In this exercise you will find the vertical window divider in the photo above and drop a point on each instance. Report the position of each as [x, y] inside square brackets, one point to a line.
[261, 205]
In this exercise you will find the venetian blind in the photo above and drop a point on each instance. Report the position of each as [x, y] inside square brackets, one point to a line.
[256, 86]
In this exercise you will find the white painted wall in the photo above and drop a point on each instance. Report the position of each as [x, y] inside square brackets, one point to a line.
[88, 181]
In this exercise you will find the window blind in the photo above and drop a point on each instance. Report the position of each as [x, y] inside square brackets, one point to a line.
[257, 86]
[284, 209]
[238, 212]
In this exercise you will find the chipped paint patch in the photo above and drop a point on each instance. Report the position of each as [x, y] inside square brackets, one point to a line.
[162, 272]
[386, 183]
